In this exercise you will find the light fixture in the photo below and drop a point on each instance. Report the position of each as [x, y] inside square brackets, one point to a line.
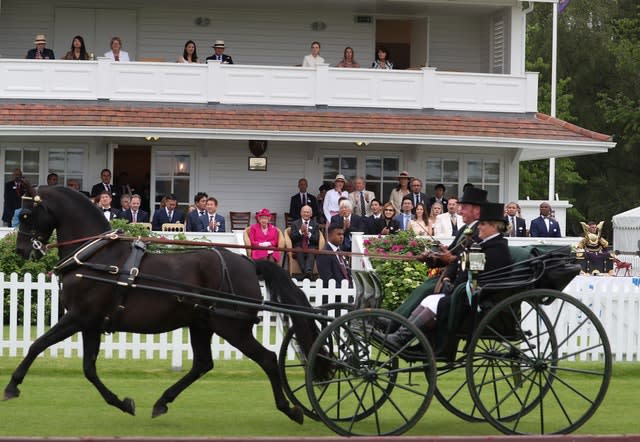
[152, 138]
[257, 147]
[361, 143]
[318, 25]
[202, 21]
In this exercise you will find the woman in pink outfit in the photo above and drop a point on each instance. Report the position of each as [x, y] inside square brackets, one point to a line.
[264, 234]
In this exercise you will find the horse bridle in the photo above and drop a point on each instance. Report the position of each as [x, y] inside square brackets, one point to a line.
[37, 239]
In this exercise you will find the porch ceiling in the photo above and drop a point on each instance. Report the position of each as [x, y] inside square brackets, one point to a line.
[534, 136]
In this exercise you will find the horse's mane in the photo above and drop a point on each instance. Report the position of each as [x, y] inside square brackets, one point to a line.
[69, 202]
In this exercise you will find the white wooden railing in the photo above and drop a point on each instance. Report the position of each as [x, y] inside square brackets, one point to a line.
[267, 85]
[616, 301]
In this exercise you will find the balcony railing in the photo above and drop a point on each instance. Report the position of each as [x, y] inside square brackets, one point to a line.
[266, 85]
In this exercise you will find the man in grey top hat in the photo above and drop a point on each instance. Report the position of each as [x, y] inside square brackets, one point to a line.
[218, 53]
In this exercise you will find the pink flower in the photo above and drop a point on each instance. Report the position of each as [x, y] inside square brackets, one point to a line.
[409, 254]
[413, 243]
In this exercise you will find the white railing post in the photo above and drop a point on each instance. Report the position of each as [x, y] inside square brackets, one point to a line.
[531, 92]
[104, 90]
[322, 85]
[215, 81]
[429, 88]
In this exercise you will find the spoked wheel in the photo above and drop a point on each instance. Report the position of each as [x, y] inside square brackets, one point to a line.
[372, 387]
[547, 364]
[292, 362]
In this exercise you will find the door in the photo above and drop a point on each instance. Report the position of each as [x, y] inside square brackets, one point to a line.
[132, 167]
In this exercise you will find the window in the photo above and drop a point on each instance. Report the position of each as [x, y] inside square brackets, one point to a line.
[68, 164]
[172, 175]
[27, 160]
[333, 165]
[485, 174]
[442, 171]
[380, 172]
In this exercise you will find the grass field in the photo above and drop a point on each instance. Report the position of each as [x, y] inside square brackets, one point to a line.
[232, 400]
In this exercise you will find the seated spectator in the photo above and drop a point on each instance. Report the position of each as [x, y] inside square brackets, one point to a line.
[349, 222]
[438, 196]
[435, 211]
[78, 50]
[263, 234]
[193, 220]
[305, 234]
[167, 214]
[134, 214]
[104, 204]
[382, 59]
[334, 266]
[40, 52]
[390, 224]
[301, 199]
[212, 221]
[447, 224]
[406, 215]
[313, 59]
[420, 225]
[218, 53]
[116, 53]
[189, 54]
[52, 179]
[348, 60]
[373, 224]
[125, 202]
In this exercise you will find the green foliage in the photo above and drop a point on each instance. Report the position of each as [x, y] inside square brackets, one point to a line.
[398, 277]
[11, 262]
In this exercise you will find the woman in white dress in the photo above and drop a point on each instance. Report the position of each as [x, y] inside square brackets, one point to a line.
[313, 59]
[420, 225]
[331, 205]
[116, 53]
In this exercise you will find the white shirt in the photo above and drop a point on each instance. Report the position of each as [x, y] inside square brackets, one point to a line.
[311, 62]
[330, 205]
[124, 55]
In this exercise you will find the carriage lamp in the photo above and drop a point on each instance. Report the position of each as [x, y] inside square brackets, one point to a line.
[477, 259]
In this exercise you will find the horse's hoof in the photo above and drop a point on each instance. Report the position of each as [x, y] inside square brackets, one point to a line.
[296, 415]
[129, 406]
[10, 394]
[159, 410]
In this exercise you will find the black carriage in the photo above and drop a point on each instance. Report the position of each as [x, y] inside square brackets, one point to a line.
[529, 359]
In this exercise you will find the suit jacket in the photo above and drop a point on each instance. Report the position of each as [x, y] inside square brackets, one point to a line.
[354, 197]
[13, 193]
[392, 224]
[443, 226]
[113, 213]
[423, 199]
[373, 226]
[520, 228]
[433, 200]
[329, 267]
[46, 53]
[226, 59]
[356, 224]
[97, 189]
[296, 204]
[296, 236]
[160, 217]
[539, 228]
[497, 255]
[204, 223]
[193, 221]
[142, 216]
[400, 219]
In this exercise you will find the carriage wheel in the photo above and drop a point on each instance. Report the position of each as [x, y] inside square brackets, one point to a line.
[369, 391]
[545, 373]
[292, 362]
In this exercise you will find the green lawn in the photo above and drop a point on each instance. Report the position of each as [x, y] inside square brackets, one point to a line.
[233, 400]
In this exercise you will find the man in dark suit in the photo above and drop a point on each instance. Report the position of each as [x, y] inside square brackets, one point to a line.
[334, 266]
[439, 190]
[105, 185]
[544, 225]
[218, 53]
[518, 226]
[212, 221]
[348, 222]
[416, 194]
[134, 214]
[305, 234]
[168, 214]
[193, 223]
[373, 224]
[13, 192]
[104, 204]
[40, 52]
[302, 198]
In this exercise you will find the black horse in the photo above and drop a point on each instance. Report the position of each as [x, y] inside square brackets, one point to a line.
[95, 303]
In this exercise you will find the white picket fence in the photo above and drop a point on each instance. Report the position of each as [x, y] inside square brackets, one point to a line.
[616, 301]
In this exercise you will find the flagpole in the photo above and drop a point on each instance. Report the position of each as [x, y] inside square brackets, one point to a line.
[554, 73]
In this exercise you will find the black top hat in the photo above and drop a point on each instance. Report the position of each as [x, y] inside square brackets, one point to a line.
[473, 195]
[492, 212]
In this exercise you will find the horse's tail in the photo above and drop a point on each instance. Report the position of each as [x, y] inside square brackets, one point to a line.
[284, 291]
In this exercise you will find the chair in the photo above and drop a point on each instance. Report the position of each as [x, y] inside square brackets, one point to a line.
[173, 227]
[239, 220]
[272, 219]
[147, 226]
[294, 268]
[281, 242]
[288, 219]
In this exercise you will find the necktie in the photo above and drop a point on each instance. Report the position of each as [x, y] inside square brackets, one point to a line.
[117, 58]
[416, 197]
[305, 237]
[343, 268]
[304, 199]
[106, 210]
[513, 226]
[363, 206]
[170, 215]
[134, 217]
[202, 212]
[454, 225]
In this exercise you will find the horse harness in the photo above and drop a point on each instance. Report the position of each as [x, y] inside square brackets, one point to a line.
[129, 274]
